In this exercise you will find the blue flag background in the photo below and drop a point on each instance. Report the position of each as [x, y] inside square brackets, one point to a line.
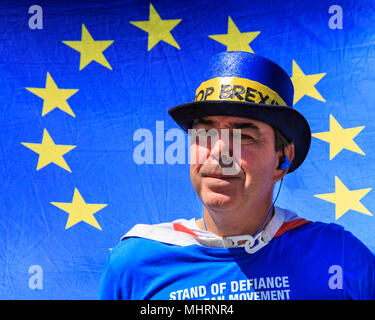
[74, 93]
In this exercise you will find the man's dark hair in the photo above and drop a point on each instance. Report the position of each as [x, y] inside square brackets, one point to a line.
[280, 141]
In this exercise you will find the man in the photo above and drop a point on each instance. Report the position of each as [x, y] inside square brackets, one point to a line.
[243, 247]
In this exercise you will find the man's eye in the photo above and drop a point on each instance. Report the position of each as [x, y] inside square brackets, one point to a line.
[211, 133]
[201, 133]
[245, 138]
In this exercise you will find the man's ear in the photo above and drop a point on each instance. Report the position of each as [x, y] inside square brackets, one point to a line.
[288, 152]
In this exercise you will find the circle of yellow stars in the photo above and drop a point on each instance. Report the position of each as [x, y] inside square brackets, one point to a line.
[160, 30]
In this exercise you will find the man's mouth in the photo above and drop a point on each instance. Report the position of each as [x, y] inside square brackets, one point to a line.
[217, 172]
[220, 176]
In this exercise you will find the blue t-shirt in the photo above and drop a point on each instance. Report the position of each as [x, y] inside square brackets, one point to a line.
[312, 261]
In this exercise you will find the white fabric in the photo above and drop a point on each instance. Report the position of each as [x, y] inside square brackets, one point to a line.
[164, 232]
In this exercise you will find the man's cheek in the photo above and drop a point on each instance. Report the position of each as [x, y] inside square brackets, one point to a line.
[198, 154]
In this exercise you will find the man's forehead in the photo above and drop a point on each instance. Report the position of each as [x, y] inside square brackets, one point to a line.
[232, 122]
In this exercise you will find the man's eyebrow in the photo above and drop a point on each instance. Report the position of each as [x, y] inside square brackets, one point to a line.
[203, 121]
[235, 125]
[245, 125]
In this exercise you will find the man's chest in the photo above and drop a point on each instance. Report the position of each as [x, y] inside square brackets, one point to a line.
[266, 277]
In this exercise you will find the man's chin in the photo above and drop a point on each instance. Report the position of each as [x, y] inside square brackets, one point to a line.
[219, 201]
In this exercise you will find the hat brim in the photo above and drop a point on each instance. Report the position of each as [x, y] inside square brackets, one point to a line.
[288, 121]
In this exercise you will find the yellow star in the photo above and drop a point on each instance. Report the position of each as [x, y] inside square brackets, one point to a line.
[346, 199]
[79, 210]
[49, 152]
[339, 138]
[158, 29]
[54, 97]
[90, 49]
[234, 40]
[304, 84]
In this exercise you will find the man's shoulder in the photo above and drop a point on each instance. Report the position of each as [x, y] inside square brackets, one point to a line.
[328, 234]
[311, 226]
[129, 247]
[329, 229]
[320, 230]
[296, 225]
[142, 238]
[132, 252]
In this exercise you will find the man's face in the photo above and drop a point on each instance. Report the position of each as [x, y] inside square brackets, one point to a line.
[254, 179]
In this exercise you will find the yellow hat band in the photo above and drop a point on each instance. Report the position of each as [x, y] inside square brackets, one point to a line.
[237, 89]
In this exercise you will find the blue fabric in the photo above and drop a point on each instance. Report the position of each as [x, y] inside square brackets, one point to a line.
[303, 263]
[112, 104]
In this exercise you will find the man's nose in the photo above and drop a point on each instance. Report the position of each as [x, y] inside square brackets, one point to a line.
[221, 148]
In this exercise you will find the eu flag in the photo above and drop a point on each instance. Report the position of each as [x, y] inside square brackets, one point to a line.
[80, 79]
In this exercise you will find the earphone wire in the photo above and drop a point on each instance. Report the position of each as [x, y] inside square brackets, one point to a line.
[273, 204]
[204, 223]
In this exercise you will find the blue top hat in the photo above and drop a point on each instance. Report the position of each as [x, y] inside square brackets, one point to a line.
[246, 85]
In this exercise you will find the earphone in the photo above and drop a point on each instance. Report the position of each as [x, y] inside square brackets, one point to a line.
[285, 164]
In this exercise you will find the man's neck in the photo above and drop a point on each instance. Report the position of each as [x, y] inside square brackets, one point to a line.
[236, 222]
